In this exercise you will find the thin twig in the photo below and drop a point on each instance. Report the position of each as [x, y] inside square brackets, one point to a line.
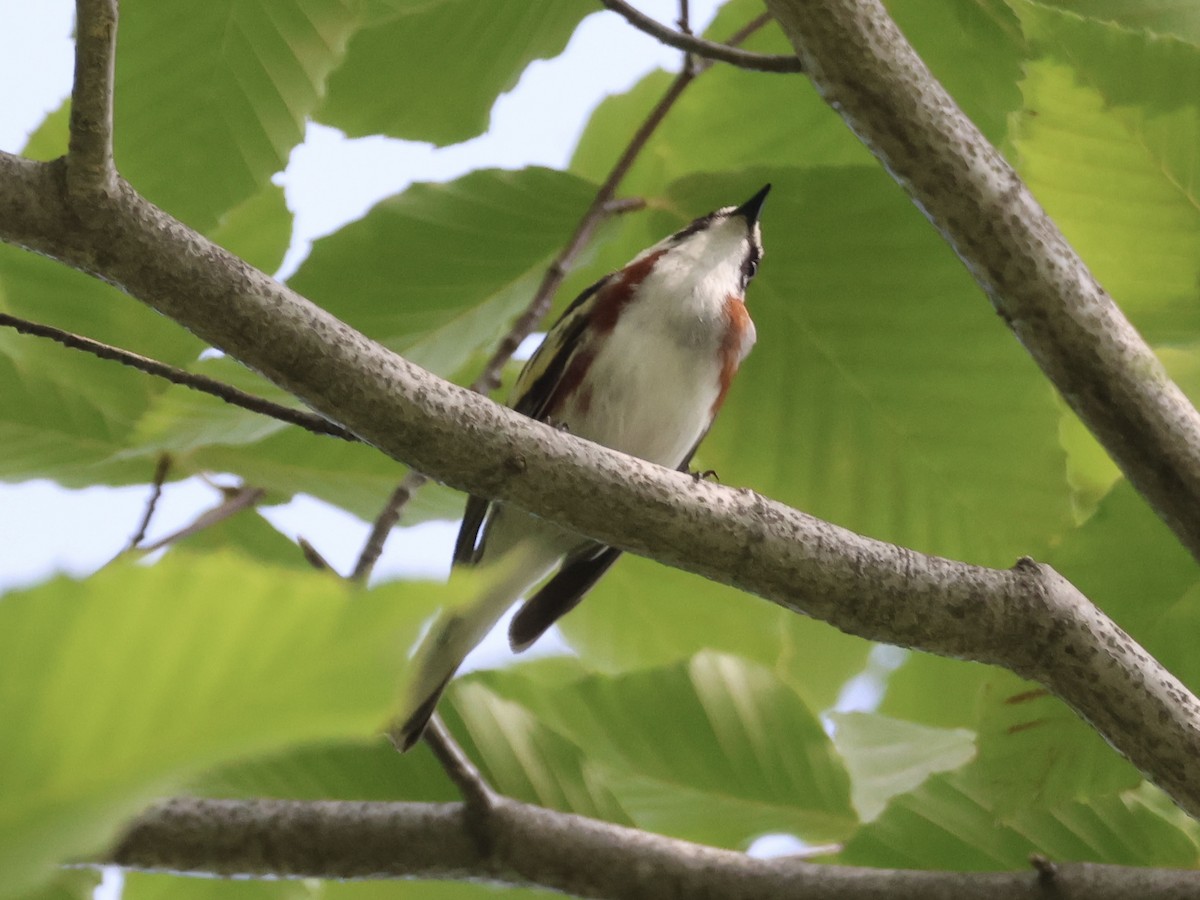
[759, 62]
[384, 523]
[90, 168]
[160, 477]
[470, 782]
[312, 557]
[236, 500]
[231, 395]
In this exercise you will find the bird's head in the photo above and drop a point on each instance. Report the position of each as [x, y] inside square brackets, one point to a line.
[717, 253]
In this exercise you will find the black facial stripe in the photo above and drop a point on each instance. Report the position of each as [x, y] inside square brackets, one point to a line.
[698, 225]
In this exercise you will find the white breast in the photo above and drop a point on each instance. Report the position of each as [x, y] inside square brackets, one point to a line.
[651, 388]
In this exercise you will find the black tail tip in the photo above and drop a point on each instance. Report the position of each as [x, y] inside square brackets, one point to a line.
[414, 726]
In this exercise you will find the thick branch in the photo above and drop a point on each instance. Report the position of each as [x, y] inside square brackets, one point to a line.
[90, 154]
[743, 59]
[1029, 619]
[533, 847]
[863, 67]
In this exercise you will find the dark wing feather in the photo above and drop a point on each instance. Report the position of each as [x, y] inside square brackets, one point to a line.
[532, 393]
[465, 551]
[559, 595]
[546, 367]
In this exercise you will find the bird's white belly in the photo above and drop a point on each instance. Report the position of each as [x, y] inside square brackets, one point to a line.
[647, 395]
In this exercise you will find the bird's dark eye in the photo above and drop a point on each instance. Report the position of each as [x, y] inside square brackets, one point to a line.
[749, 269]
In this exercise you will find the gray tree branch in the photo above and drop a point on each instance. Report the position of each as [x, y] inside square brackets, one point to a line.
[865, 69]
[1028, 619]
[529, 846]
[90, 172]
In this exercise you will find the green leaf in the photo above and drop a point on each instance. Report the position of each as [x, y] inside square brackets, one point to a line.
[646, 614]
[933, 690]
[335, 770]
[438, 271]
[1108, 144]
[728, 119]
[258, 230]
[1127, 562]
[145, 886]
[425, 890]
[886, 757]
[945, 824]
[523, 758]
[974, 49]
[1035, 752]
[843, 409]
[715, 750]
[1180, 18]
[207, 113]
[355, 477]
[406, 47]
[119, 686]
[249, 534]
[67, 884]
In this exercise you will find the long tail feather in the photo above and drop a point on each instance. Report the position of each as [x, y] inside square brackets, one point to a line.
[458, 629]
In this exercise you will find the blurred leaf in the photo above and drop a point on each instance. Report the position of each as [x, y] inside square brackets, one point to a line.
[345, 770]
[67, 884]
[207, 113]
[425, 890]
[886, 757]
[437, 272]
[355, 477]
[118, 686]
[714, 750]
[933, 690]
[645, 614]
[945, 825]
[258, 230]
[448, 61]
[1127, 562]
[523, 758]
[252, 536]
[1035, 752]
[146, 886]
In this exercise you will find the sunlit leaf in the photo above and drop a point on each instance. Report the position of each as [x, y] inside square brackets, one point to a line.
[715, 749]
[886, 757]
[207, 113]
[405, 47]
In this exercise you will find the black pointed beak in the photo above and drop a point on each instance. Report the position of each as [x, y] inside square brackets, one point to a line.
[750, 209]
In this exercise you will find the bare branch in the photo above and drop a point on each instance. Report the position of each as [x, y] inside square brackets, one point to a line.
[478, 794]
[160, 476]
[383, 524]
[534, 847]
[90, 169]
[201, 383]
[744, 59]
[862, 65]
[1028, 619]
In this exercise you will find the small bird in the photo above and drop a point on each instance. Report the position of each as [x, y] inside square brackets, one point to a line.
[639, 362]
